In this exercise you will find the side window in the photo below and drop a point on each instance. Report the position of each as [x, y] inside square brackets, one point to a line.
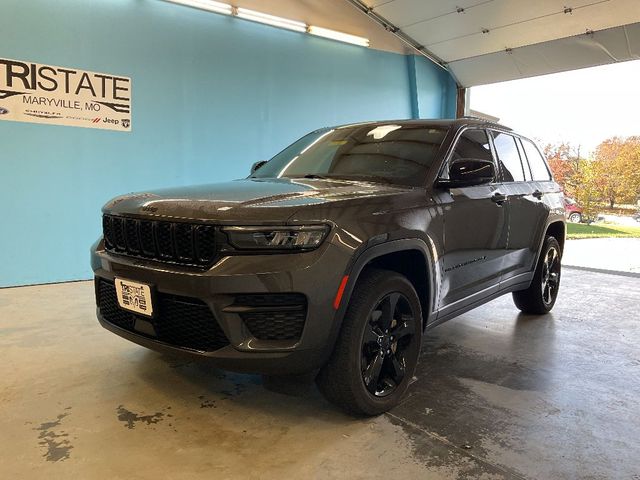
[525, 163]
[473, 144]
[539, 169]
[509, 157]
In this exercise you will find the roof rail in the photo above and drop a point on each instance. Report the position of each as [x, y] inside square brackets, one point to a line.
[484, 120]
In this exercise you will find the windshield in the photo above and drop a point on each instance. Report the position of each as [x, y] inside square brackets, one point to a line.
[390, 153]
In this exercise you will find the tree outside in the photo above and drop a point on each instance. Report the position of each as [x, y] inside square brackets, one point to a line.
[609, 178]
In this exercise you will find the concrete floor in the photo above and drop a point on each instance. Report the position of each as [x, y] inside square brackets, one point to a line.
[498, 395]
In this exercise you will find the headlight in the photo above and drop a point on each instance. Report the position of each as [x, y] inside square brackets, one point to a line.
[306, 237]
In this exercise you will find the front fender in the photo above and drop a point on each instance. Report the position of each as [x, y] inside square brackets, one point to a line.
[360, 261]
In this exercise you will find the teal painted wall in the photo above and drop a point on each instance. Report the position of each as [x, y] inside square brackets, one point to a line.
[433, 89]
[211, 95]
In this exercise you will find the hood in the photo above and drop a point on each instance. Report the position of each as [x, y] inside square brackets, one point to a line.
[248, 199]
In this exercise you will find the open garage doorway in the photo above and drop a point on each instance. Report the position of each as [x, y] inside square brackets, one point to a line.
[586, 122]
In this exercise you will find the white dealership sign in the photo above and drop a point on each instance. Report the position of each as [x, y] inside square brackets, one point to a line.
[32, 92]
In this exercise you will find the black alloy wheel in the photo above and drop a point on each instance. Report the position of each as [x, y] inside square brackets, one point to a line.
[550, 276]
[540, 297]
[377, 350]
[386, 338]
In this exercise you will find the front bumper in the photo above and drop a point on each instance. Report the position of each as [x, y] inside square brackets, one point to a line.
[315, 274]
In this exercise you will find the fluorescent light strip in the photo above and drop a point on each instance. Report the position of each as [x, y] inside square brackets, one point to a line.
[271, 20]
[342, 37]
[245, 13]
[209, 5]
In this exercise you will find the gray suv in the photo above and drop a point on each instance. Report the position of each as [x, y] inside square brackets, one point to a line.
[337, 254]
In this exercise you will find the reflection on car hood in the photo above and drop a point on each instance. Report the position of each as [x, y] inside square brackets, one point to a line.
[252, 198]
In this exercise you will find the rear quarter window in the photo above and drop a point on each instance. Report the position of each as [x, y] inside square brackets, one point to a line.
[539, 170]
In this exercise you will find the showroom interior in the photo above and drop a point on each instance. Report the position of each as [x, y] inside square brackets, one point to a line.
[154, 94]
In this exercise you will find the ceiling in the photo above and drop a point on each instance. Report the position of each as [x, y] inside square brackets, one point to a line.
[486, 41]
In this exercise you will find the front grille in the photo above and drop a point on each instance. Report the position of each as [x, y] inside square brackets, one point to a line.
[178, 321]
[164, 241]
[274, 316]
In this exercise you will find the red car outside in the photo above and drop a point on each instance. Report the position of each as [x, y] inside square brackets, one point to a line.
[572, 210]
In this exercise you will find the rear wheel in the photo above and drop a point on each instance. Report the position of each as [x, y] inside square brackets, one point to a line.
[377, 351]
[541, 295]
[575, 217]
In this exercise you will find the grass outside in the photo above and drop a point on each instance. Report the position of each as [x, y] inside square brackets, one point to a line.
[581, 230]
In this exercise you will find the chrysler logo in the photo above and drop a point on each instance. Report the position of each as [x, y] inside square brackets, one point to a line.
[3, 111]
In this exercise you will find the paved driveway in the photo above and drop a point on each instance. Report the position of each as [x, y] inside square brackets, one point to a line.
[619, 254]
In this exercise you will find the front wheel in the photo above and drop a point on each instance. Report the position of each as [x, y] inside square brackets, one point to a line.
[541, 295]
[377, 351]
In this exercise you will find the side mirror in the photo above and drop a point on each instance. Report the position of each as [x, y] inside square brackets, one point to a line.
[257, 165]
[466, 172]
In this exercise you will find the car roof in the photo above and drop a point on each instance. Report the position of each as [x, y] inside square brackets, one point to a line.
[435, 123]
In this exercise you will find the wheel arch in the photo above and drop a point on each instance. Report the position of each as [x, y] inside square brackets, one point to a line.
[409, 257]
[410, 264]
[557, 230]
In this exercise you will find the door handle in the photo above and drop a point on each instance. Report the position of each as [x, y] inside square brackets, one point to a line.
[538, 194]
[499, 198]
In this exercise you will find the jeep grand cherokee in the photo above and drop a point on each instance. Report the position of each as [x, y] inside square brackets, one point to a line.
[337, 254]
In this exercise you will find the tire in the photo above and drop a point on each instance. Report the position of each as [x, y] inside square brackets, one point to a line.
[575, 217]
[372, 366]
[541, 295]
